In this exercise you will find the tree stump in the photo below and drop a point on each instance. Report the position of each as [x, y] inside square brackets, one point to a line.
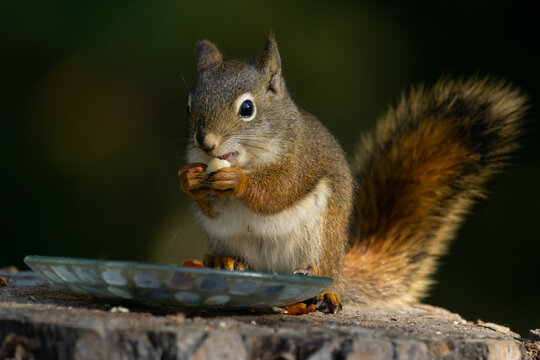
[42, 321]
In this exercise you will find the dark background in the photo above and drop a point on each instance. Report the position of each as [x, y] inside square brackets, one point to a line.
[93, 117]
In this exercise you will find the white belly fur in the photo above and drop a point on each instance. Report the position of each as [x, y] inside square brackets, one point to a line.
[278, 242]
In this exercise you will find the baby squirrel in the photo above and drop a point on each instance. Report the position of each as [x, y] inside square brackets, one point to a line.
[290, 201]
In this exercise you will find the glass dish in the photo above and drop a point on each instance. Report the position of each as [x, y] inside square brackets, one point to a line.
[177, 285]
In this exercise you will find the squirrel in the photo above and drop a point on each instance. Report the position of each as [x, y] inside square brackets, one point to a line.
[292, 203]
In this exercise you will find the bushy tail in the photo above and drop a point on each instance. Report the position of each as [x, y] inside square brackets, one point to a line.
[418, 176]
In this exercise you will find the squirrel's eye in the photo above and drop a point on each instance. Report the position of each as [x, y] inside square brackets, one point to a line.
[245, 107]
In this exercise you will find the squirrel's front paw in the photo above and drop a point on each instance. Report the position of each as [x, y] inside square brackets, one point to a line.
[222, 262]
[228, 181]
[193, 180]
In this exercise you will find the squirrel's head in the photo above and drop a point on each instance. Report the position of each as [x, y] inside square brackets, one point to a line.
[238, 108]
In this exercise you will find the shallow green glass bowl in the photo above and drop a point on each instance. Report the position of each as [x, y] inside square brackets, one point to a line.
[177, 285]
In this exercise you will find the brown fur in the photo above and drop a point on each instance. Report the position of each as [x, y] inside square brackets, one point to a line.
[417, 178]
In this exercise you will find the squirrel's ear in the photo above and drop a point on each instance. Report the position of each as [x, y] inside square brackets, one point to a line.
[269, 58]
[269, 61]
[207, 54]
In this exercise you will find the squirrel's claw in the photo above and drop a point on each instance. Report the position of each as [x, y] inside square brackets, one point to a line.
[223, 262]
[307, 271]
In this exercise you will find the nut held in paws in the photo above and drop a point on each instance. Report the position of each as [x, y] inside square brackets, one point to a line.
[216, 164]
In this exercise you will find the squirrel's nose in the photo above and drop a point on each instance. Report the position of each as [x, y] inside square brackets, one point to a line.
[206, 142]
[208, 148]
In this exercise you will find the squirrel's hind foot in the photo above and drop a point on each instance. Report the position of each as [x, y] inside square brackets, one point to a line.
[223, 262]
[326, 302]
[329, 302]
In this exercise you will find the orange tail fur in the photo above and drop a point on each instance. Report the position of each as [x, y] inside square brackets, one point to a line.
[418, 176]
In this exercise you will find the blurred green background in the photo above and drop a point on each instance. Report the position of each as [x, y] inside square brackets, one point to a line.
[93, 108]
